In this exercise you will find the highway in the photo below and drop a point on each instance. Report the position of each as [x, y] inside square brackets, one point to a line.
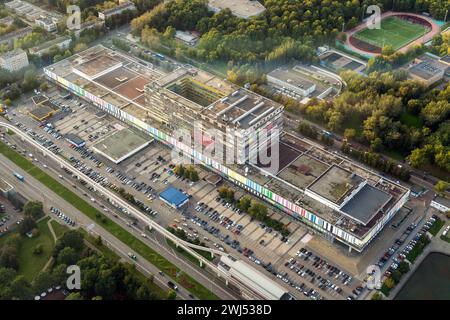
[116, 200]
[33, 189]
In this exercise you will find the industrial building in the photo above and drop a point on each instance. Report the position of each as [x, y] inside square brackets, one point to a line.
[16, 34]
[202, 104]
[257, 285]
[75, 140]
[189, 38]
[47, 23]
[14, 60]
[5, 188]
[32, 13]
[121, 145]
[440, 203]
[288, 78]
[61, 43]
[42, 111]
[240, 8]
[325, 191]
[428, 69]
[173, 197]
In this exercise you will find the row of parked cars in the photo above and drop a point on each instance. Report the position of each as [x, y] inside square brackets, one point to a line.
[41, 139]
[327, 268]
[62, 216]
[407, 249]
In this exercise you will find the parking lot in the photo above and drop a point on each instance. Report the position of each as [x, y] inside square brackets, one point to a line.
[9, 215]
[206, 217]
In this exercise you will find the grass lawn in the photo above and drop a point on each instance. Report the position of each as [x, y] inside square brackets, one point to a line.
[394, 31]
[58, 228]
[445, 238]
[411, 120]
[436, 226]
[120, 233]
[29, 264]
[395, 154]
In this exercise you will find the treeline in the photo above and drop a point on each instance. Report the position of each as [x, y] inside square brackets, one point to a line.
[286, 29]
[186, 172]
[254, 208]
[376, 107]
[101, 277]
[375, 160]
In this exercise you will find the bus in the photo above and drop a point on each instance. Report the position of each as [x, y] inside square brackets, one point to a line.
[18, 176]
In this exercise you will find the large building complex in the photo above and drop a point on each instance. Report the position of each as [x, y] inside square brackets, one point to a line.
[14, 60]
[333, 195]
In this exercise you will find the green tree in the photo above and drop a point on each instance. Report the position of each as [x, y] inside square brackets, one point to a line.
[43, 281]
[441, 186]
[27, 225]
[67, 256]
[74, 296]
[34, 209]
[171, 294]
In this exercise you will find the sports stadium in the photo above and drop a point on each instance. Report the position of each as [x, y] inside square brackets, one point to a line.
[398, 29]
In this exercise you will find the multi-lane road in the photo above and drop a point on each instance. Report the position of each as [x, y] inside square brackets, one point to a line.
[205, 278]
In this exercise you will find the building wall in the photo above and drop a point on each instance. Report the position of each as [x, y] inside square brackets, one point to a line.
[278, 201]
[304, 92]
[14, 63]
[439, 206]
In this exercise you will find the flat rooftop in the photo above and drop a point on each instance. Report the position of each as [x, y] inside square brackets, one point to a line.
[5, 186]
[74, 138]
[442, 201]
[291, 76]
[240, 8]
[242, 107]
[96, 65]
[121, 144]
[335, 184]
[41, 111]
[366, 204]
[252, 278]
[303, 165]
[428, 69]
[173, 196]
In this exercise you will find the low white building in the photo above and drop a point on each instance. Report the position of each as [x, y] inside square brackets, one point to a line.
[252, 283]
[440, 203]
[289, 79]
[14, 60]
[61, 43]
[46, 23]
[188, 37]
[126, 5]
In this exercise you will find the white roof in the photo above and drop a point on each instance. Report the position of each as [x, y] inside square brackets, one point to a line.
[254, 279]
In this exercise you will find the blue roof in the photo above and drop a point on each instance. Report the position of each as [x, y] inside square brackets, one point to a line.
[174, 197]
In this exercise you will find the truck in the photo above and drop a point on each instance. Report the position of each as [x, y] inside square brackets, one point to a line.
[18, 176]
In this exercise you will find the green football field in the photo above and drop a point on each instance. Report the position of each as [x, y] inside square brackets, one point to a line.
[394, 31]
